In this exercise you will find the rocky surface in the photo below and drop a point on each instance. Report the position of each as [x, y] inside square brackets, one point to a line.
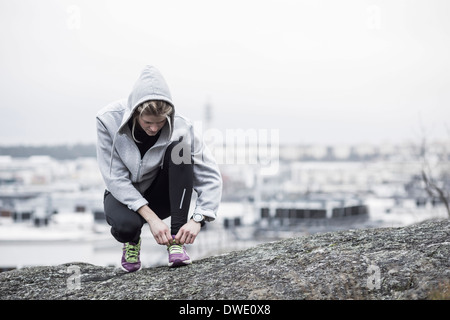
[387, 263]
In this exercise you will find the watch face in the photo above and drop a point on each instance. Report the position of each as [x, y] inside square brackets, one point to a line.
[198, 217]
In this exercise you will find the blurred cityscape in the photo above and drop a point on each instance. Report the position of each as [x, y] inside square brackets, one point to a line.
[51, 208]
[315, 70]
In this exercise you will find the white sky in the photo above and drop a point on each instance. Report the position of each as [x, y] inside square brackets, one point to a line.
[328, 72]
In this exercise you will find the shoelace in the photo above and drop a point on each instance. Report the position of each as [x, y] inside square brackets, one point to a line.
[132, 252]
[175, 248]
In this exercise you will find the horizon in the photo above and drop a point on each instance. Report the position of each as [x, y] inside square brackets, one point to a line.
[405, 142]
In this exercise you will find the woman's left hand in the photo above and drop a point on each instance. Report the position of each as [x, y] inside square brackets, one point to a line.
[188, 232]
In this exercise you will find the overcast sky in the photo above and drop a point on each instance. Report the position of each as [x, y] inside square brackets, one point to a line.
[328, 72]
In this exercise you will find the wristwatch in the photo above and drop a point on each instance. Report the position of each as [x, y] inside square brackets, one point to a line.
[198, 217]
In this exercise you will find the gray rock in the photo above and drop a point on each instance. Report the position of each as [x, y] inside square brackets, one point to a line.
[385, 263]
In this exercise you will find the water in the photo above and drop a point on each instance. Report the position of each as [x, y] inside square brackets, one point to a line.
[22, 244]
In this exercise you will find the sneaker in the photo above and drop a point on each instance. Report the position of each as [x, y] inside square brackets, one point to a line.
[131, 261]
[177, 255]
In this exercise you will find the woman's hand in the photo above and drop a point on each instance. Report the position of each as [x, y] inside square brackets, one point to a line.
[160, 231]
[188, 232]
[158, 228]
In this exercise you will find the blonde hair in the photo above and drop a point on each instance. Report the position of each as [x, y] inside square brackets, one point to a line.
[153, 108]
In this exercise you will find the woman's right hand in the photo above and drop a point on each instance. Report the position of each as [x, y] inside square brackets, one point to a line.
[158, 228]
[160, 231]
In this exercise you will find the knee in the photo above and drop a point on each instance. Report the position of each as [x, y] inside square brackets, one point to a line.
[127, 230]
[125, 224]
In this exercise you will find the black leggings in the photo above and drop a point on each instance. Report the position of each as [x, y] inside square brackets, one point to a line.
[169, 195]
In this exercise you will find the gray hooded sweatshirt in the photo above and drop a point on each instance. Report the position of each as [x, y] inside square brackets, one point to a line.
[126, 175]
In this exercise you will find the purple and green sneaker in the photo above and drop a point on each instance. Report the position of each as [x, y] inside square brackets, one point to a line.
[131, 261]
[177, 255]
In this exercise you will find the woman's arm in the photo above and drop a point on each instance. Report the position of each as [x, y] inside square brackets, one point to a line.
[158, 228]
[207, 179]
[115, 173]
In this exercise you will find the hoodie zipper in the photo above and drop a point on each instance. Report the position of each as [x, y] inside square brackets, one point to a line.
[139, 170]
[141, 162]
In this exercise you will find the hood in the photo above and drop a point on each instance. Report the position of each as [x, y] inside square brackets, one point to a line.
[149, 86]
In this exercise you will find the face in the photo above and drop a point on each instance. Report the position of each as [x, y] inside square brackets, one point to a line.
[151, 124]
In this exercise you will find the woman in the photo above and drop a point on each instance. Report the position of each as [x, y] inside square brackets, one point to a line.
[146, 156]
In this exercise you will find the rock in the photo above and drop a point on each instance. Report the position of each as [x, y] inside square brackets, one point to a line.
[386, 263]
